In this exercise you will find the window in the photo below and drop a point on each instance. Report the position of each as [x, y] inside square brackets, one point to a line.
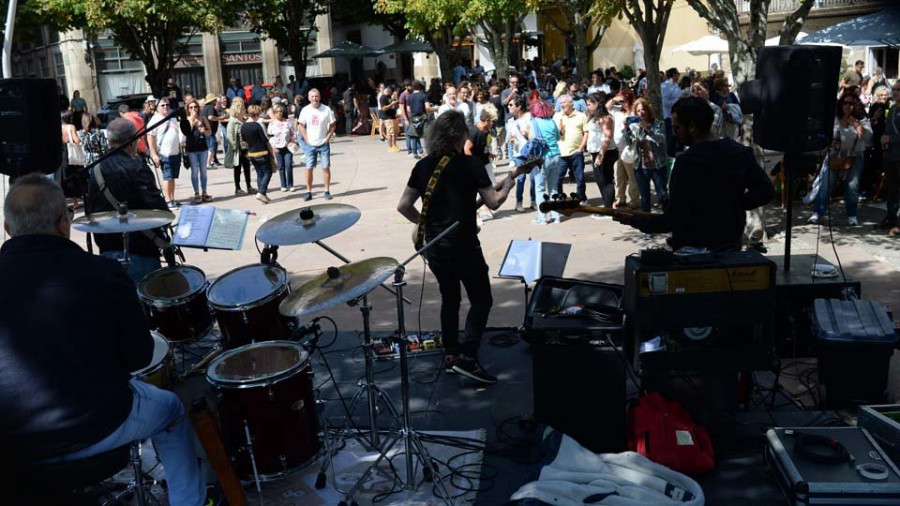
[53, 35]
[45, 67]
[886, 58]
[60, 64]
[240, 43]
[112, 59]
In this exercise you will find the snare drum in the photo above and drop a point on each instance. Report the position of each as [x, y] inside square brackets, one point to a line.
[174, 299]
[161, 371]
[245, 302]
[267, 388]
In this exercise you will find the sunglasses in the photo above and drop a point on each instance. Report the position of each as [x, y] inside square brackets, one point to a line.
[163, 105]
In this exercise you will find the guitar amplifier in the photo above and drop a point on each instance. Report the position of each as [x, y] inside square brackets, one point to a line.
[806, 478]
[701, 312]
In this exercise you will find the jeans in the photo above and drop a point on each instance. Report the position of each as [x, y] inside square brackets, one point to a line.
[892, 190]
[643, 177]
[198, 166]
[520, 180]
[573, 163]
[318, 156]
[604, 175]
[139, 267]
[285, 160]
[263, 165]
[671, 144]
[224, 141]
[414, 145]
[452, 266]
[159, 415]
[545, 178]
[851, 186]
[170, 166]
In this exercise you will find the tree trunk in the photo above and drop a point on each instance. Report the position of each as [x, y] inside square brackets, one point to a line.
[500, 55]
[442, 52]
[579, 40]
[743, 69]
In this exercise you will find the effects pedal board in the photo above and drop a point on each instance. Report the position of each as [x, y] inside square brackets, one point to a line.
[388, 348]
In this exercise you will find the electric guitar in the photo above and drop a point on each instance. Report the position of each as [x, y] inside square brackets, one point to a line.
[418, 233]
[569, 206]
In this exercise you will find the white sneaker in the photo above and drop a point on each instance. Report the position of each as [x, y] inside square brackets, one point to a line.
[852, 221]
[262, 198]
[814, 219]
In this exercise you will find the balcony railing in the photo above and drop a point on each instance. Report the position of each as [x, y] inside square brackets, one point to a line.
[778, 6]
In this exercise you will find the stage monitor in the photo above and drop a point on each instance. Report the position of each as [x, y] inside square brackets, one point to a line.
[30, 127]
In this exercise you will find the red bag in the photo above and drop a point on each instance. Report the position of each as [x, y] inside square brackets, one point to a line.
[664, 432]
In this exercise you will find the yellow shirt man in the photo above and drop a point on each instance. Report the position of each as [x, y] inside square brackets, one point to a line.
[572, 129]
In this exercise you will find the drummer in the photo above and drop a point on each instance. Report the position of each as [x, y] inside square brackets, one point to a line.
[128, 180]
[71, 330]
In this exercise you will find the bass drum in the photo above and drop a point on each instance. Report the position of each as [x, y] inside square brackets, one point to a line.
[174, 299]
[245, 302]
[266, 389]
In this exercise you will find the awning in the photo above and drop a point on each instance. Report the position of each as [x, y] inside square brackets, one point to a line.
[349, 49]
[880, 28]
[409, 46]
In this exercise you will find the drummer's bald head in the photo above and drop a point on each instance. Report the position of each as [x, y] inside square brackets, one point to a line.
[35, 205]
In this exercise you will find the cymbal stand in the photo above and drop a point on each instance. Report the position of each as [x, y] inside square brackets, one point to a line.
[411, 440]
[347, 261]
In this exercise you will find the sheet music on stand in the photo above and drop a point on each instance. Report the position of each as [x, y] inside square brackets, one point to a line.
[529, 260]
[211, 227]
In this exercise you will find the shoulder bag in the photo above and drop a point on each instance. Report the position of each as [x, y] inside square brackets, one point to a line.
[839, 163]
[75, 151]
[537, 146]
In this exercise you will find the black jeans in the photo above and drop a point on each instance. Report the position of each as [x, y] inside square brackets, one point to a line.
[244, 165]
[605, 176]
[452, 266]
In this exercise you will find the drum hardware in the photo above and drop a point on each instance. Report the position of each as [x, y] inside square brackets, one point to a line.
[201, 365]
[253, 461]
[122, 221]
[410, 437]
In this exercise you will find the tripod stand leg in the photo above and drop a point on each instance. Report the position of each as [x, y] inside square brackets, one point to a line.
[427, 461]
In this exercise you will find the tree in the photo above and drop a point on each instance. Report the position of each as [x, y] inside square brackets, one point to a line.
[290, 23]
[650, 20]
[148, 30]
[585, 23]
[499, 20]
[439, 22]
[353, 11]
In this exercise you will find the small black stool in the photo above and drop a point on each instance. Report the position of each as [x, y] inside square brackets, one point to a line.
[73, 482]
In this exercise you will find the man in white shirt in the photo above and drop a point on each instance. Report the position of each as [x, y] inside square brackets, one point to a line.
[466, 106]
[317, 122]
[449, 101]
[165, 148]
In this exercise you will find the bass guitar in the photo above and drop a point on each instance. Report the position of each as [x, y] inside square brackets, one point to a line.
[570, 206]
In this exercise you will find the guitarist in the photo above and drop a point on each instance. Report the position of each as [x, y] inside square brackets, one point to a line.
[713, 183]
[450, 196]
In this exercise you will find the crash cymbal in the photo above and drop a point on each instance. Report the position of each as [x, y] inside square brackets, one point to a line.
[111, 222]
[308, 224]
[338, 285]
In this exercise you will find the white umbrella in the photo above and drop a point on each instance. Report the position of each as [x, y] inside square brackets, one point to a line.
[707, 45]
[774, 40]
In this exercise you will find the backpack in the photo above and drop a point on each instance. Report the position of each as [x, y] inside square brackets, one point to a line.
[664, 432]
[537, 146]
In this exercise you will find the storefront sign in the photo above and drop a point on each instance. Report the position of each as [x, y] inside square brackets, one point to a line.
[242, 58]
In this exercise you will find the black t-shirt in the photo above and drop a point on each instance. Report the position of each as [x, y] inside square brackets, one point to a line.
[501, 111]
[416, 103]
[384, 101]
[254, 134]
[480, 148]
[207, 111]
[453, 199]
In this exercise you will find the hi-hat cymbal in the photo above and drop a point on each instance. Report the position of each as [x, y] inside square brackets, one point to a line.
[308, 224]
[111, 222]
[338, 285]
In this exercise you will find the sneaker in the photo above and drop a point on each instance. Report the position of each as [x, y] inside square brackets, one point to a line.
[308, 196]
[262, 198]
[172, 205]
[519, 208]
[852, 221]
[417, 157]
[251, 189]
[206, 197]
[540, 220]
[284, 190]
[449, 361]
[601, 217]
[533, 206]
[289, 190]
[326, 195]
[239, 191]
[470, 368]
[394, 149]
[814, 219]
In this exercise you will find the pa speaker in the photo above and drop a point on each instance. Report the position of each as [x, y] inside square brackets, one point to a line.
[30, 132]
[792, 98]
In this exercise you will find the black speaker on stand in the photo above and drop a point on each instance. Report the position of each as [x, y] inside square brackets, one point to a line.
[30, 132]
[792, 102]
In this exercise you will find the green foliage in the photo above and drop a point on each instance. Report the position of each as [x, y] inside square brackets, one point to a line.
[429, 18]
[627, 72]
[290, 23]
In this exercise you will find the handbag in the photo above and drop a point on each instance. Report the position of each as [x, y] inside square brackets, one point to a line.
[841, 163]
[537, 146]
[294, 148]
[74, 151]
[629, 153]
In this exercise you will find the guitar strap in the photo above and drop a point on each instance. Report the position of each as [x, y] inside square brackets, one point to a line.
[426, 200]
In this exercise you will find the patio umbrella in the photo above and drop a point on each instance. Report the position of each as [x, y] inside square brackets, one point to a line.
[349, 49]
[707, 45]
[409, 46]
[880, 28]
[774, 40]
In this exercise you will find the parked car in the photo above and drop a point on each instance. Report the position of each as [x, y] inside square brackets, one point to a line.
[110, 110]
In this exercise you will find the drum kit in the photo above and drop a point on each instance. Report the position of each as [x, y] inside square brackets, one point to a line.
[261, 375]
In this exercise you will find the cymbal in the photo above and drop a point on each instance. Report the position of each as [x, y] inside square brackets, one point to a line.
[337, 285]
[110, 222]
[308, 224]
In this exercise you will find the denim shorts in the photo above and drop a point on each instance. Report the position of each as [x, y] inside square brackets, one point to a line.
[211, 143]
[171, 167]
[320, 154]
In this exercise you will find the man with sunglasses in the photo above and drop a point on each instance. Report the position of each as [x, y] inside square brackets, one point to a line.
[164, 142]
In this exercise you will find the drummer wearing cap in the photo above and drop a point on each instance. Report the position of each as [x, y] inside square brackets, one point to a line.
[72, 331]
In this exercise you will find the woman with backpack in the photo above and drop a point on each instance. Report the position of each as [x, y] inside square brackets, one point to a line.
[543, 135]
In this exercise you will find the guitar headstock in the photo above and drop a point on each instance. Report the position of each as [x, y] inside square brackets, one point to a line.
[563, 205]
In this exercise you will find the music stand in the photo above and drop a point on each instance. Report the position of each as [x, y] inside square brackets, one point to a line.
[530, 260]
